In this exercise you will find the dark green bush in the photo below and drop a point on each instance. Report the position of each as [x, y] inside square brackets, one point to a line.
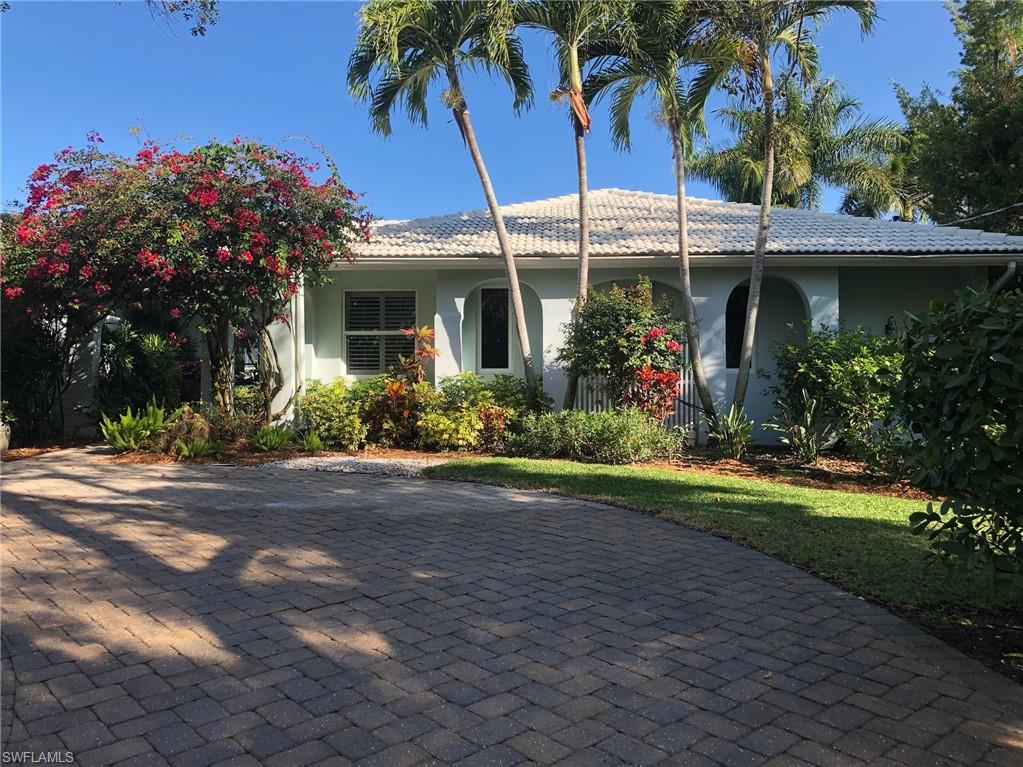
[962, 397]
[850, 374]
[134, 368]
[611, 437]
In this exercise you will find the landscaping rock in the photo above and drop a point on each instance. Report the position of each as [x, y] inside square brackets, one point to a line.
[391, 467]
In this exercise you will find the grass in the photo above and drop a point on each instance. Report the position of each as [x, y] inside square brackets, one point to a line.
[857, 541]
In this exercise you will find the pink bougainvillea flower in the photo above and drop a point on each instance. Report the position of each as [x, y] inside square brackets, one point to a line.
[223, 254]
[204, 197]
[674, 346]
[175, 312]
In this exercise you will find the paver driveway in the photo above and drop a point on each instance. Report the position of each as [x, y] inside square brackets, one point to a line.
[195, 615]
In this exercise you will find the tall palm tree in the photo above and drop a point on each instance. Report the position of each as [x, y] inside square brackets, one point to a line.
[405, 46]
[744, 40]
[582, 30]
[820, 139]
[662, 65]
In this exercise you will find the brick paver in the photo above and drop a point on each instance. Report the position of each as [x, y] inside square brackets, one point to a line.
[215, 615]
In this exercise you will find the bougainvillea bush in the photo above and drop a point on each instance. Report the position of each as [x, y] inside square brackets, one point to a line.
[633, 343]
[223, 233]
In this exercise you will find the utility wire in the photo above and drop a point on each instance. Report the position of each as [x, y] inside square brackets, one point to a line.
[982, 215]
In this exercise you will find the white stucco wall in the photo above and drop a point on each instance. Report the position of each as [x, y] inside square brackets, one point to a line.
[447, 299]
[323, 355]
[869, 295]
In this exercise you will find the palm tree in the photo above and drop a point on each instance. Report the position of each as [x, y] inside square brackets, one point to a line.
[744, 39]
[661, 65]
[582, 30]
[404, 46]
[820, 139]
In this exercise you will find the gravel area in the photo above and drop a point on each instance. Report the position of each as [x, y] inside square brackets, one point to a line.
[391, 467]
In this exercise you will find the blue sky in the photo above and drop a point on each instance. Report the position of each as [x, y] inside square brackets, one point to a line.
[272, 69]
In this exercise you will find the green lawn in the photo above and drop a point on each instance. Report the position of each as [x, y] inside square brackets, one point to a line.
[857, 541]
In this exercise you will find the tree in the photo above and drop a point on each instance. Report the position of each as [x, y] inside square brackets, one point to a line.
[202, 14]
[820, 139]
[61, 274]
[224, 233]
[582, 30]
[966, 154]
[662, 64]
[404, 46]
[744, 39]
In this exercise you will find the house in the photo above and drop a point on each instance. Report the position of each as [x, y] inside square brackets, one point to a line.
[446, 271]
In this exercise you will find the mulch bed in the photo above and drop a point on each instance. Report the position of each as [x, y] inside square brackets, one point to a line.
[770, 464]
[239, 454]
[776, 465]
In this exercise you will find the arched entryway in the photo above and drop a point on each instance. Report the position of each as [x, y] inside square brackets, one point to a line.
[782, 318]
[490, 342]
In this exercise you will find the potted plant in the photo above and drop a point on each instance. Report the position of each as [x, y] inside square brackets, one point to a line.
[6, 419]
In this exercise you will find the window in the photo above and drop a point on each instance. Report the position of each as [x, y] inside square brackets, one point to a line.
[373, 325]
[494, 330]
[735, 325]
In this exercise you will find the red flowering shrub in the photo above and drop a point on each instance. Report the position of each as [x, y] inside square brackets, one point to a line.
[632, 342]
[224, 233]
[654, 391]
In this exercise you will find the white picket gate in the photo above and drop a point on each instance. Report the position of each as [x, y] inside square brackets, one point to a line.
[592, 396]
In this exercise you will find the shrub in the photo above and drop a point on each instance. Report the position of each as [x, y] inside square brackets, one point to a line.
[271, 438]
[189, 426]
[493, 426]
[731, 431]
[616, 333]
[612, 437]
[191, 449]
[962, 397]
[393, 418]
[135, 367]
[132, 430]
[455, 430]
[851, 375]
[230, 427]
[248, 400]
[310, 442]
[804, 429]
[332, 413]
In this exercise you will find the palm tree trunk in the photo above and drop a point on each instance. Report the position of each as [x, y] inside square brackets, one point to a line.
[688, 307]
[760, 248]
[465, 125]
[583, 279]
